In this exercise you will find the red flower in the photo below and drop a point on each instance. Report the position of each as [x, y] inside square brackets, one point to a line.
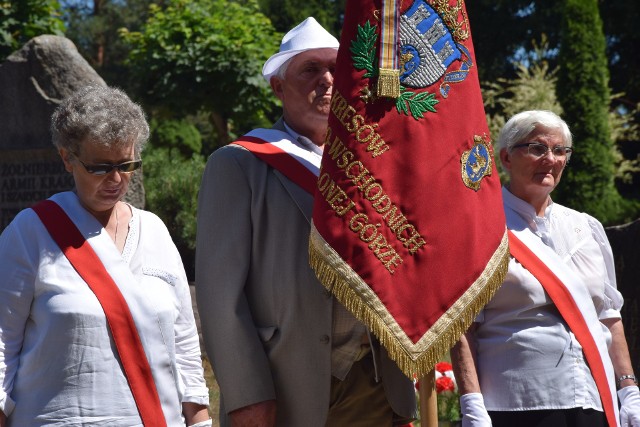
[443, 367]
[444, 384]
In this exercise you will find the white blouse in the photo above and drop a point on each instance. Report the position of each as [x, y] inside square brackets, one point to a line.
[527, 357]
[57, 358]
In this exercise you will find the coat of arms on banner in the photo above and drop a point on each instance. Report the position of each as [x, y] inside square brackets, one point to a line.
[476, 163]
[430, 47]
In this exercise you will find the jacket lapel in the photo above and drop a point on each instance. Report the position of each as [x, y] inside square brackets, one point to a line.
[301, 198]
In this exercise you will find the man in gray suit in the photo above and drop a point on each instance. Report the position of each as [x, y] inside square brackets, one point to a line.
[284, 351]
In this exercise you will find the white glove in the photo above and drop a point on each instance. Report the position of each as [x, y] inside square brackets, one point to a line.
[207, 423]
[630, 406]
[474, 414]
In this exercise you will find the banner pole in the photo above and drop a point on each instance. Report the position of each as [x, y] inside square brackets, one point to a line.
[428, 400]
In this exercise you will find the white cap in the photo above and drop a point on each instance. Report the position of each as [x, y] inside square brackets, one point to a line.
[305, 36]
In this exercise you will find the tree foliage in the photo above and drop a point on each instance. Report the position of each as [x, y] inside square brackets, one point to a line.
[177, 135]
[206, 54]
[20, 21]
[620, 24]
[286, 14]
[532, 88]
[588, 182]
[504, 29]
[94, 26]
[171, 189]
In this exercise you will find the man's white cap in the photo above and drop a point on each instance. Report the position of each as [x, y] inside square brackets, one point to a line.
[305, 36]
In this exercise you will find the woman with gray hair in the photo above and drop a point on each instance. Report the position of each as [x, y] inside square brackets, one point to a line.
[96, 324]
[549, 348]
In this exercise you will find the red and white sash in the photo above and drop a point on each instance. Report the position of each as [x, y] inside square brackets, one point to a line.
[121, 324]
[275, 148]
[576, 307]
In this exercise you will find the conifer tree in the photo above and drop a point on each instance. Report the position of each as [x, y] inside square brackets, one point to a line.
[582, 88]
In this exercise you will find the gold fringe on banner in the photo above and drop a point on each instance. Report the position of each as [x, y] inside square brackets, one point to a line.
[388, 83]
[414, 359]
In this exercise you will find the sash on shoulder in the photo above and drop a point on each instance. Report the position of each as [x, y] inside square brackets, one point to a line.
[569, 308]
[123, 329]
[273, 148]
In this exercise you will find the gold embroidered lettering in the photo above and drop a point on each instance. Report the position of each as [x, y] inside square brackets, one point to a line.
[349, 174]
[344, 117]
[376, 195]
[401, 230]
[347, 156]
[329, 189]
[378, 147]
[394, 220]
[356, 124]
[336, 148]
[334, 195]
[379, 206]
[368, 180]
[393, 262]
[370, 189]
[366, 132]
[355, 224]
[336, 199]
[414, 243]
[338, 104]
[377, 243]
[323, 181]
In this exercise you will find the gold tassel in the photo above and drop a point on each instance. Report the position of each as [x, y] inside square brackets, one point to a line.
[388, 83]
[413, 359]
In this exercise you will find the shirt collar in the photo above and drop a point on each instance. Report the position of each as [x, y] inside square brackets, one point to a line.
[541, 226]
[524, 209]
[302, 141]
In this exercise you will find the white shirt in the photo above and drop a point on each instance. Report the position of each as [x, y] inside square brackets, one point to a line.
[57, 361]
[527, 357]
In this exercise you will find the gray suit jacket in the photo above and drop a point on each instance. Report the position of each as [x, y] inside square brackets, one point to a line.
[266, 319]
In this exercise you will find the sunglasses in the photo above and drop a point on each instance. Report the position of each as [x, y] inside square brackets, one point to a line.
[105, 168]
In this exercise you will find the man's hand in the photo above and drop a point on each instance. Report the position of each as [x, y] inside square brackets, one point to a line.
[261, 414]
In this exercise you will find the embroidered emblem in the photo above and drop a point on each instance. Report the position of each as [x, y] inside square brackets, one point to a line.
[429, 47]
[476, 162]
[426, 45]
[430, 44]
[363, 56]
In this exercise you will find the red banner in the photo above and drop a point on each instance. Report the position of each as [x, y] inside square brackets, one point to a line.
[408, 227]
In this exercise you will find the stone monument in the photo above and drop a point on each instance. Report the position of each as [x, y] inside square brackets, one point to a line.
[33, 81]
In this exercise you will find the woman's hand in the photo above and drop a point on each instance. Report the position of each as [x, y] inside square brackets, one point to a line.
[629, 406]
[474, 413]
[193, 413]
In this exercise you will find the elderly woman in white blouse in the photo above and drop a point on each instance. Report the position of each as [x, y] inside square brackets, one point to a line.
[98, 330]
[549, 349]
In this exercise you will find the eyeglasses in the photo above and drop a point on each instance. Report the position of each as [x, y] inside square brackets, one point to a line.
[105, 168]
[538, 150]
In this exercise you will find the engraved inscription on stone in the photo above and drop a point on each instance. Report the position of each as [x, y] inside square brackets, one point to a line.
[28, 176]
